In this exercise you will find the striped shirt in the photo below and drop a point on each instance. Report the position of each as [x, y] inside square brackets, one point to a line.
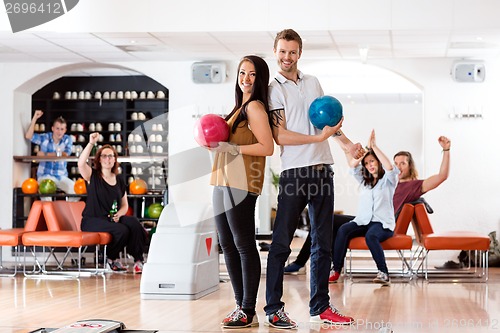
[47, 145]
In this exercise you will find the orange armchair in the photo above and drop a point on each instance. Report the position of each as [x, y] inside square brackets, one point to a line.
[13, 237]
[63, 230]
[399, 242]
[450, 240]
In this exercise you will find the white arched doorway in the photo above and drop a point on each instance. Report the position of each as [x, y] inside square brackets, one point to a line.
[37, 91]
[23, 101]
[372, 98]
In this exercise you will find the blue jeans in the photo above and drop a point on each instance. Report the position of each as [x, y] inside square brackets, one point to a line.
[305, 250]
[297, 188]
[235, 221]
[374, 235]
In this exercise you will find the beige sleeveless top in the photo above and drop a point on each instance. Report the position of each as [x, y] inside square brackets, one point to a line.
[243, 172]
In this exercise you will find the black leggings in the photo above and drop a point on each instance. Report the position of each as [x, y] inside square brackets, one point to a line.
[235, 220]
[305, 251]
[127, 232]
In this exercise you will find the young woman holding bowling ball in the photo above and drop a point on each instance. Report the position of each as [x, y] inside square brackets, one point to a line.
[238, 176]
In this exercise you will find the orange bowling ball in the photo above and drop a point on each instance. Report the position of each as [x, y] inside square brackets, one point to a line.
[138, 186]
[80, 186]
[30, 186]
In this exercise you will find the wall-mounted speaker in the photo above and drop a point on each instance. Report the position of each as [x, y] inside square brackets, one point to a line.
[208, 72]
[468, 71]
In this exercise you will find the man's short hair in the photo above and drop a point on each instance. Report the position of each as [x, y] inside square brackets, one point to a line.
[288, 35]
[60, 120]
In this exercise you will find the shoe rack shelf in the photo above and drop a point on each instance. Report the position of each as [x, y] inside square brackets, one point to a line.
[130, 113]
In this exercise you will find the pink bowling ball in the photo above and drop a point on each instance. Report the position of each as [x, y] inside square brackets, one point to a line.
[210, 129]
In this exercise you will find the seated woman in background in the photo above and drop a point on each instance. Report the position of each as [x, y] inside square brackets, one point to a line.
[106, 193]
[409, 189]
[375, 216]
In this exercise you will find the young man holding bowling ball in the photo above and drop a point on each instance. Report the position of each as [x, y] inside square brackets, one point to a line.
[306, 179]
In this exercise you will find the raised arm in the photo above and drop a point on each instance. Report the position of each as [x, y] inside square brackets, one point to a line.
[351, 161]
[434, 181]
[31, 129]
[83, 166]
[354, 152]
[386, 162]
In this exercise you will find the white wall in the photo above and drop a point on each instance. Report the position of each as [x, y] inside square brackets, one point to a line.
[360, 120]
[469, 197]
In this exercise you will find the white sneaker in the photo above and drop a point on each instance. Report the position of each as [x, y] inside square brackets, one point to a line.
[382, 278]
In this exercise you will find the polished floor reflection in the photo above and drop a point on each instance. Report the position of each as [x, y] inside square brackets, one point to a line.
[417, 306]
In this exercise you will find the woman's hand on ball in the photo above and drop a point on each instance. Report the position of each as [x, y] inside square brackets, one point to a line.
[226, 147]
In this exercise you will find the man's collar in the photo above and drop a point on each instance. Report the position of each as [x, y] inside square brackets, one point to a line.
[282, 79]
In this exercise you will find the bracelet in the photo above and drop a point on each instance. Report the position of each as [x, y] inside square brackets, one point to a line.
[235, 151]
[446, 149]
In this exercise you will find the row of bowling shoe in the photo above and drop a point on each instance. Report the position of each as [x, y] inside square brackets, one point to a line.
[92, 127]
[110, 94]
[138, 138]
[39, 128]
[139, 149]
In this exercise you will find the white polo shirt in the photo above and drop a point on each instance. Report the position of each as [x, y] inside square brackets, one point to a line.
[295, 99]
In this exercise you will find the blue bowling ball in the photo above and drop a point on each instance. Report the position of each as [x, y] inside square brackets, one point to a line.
[325, 110]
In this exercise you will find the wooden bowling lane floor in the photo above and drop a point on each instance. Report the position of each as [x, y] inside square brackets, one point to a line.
[29, 304]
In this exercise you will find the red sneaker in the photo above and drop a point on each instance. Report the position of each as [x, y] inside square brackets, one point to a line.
[334, 276]
[231, 315]
[332, 316]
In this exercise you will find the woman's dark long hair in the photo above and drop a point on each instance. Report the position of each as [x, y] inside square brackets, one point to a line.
[260, 91]
[368, 178]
